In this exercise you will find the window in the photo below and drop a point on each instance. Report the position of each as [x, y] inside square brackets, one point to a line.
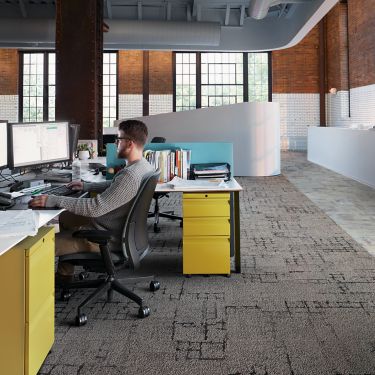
[222, 78]
[51, 86]
[213, 79]
[37, 102]
[38, 84]
[186, 81]
[109, 88]
[258, 77]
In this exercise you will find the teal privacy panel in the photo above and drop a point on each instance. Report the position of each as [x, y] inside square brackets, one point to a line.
[201, 152]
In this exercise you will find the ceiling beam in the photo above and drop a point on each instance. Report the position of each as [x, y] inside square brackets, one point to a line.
[139, 10]
[188, 13]
[242, 15]
[199, 12]
[227, 15]
[169, 11]
[194, 11]
[22, 8]
[109, 9]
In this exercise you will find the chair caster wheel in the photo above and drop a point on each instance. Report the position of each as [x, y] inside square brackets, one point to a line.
[154, 286]
[83, 275]
[228, 275]
[65, 295]
[156, 229]
[81, 320]
[188, 276]
[181, 224]
[144, 312]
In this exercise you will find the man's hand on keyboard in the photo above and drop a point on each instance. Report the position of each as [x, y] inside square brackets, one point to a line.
[75, 185]
[38, 201]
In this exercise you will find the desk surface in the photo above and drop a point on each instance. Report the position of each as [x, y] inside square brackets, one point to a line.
[44, 216]
[232, 185]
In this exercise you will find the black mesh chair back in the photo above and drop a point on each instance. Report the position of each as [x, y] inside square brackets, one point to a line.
[135, 246]
[135, 243]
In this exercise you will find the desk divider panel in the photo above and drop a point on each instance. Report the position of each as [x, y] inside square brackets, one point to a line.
[201, 152]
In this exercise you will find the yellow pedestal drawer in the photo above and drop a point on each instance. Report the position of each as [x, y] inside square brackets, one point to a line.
[206, 233]
[27, 313]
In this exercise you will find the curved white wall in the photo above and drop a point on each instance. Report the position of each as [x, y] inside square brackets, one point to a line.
[253, 128]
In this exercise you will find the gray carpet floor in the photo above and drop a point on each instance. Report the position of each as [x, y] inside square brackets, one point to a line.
[304, 303]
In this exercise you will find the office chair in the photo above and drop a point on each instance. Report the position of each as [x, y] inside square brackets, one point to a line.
[135, 247]
[157, 214]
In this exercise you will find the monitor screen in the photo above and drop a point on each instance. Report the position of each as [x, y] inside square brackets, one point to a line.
[3, 144]
[73, 139]
[39, 143]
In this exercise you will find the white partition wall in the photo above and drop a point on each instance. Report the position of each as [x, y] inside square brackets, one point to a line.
[350, 152]
[253, 128]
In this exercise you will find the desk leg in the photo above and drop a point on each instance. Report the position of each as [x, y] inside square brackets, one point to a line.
[237, 232]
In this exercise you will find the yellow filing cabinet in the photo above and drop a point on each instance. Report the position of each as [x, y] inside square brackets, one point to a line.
[206, 233]
[27, 308]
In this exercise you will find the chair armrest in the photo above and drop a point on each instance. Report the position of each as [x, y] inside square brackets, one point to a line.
[97, 236]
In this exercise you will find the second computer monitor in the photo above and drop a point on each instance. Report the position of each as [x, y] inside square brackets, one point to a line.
[38, 143]
[3, 144]
[73, 139]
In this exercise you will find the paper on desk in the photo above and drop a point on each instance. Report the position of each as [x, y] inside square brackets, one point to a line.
[18, 223]
[177, 183]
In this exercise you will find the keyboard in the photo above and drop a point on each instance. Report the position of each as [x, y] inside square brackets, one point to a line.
[61, 191]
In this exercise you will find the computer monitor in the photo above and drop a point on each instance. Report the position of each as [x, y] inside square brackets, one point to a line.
[38, 143]
[3, 144]
[73, 139]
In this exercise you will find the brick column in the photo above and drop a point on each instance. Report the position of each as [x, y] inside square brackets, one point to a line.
[79, 61]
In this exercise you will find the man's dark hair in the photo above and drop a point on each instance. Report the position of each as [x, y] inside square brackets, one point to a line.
[136, 130]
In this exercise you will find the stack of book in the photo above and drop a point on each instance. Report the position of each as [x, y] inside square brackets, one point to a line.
[170, 162]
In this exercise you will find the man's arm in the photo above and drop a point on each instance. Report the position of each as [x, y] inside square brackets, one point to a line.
[96, 187]
[120, 191]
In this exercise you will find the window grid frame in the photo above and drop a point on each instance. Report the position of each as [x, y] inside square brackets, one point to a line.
[262, 85]
[224, 85]
[245, 82]
[197, 74]
[110, 85]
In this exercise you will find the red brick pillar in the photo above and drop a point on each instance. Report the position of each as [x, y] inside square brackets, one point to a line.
[79, 61]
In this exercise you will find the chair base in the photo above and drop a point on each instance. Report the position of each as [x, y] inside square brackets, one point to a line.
[109, 284]
[168, 215]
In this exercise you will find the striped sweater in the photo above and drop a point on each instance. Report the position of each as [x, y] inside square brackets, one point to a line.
[108, 210]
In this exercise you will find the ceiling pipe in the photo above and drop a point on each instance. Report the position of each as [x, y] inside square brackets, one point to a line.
[258, 9]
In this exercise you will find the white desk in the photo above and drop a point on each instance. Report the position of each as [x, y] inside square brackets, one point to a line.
[233, 187]
[44, 217]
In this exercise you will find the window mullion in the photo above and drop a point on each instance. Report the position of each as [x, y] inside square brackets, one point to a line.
[45, 86]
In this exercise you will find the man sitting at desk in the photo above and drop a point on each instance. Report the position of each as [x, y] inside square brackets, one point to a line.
[106, 211]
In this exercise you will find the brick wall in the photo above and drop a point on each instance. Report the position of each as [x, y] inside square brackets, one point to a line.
[337, 48]
[8, 72]
[295, 86]
[161, 73]
[361, 42]
[296, 69]
[130, 72]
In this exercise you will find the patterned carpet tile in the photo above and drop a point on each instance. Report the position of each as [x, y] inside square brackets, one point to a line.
[304, 303]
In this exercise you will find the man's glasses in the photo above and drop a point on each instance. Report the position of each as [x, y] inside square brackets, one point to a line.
[118, 139]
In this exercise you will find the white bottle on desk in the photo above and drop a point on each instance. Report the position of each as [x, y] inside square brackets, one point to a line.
[76, 170]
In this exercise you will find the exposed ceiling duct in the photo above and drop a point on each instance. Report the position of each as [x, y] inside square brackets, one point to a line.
[258, 9]
[135, 33]
[35, 33]
[285, 24]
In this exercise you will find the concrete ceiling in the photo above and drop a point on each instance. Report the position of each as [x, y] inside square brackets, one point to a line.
[218, 25]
